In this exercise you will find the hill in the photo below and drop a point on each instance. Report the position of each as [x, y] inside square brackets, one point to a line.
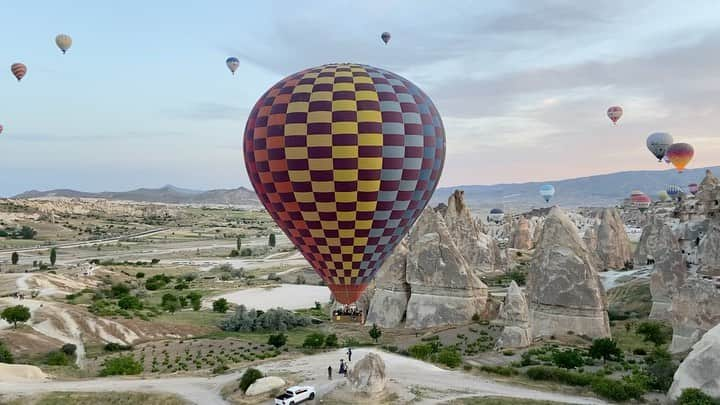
[167, 194]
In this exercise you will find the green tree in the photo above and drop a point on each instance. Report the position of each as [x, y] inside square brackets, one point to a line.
[314, 340]
[53, 256]
[694, 396]
[220, 305]
[139, 274]
[568, 359]
[249, 376]
[450, 357]
[238, 243]
[121, 365]
[5, 354]
[130, 302]
[605, 348]
[654, 332]
[13, 315]
[331, 340]
[27, 233]
[57, 358]
[69, 349]
[277, 340]
[195, 302]
[170, 303]
[271, 240]
[375, 333]
[15, 258]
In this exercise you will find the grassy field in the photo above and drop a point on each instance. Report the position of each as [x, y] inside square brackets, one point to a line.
[93, 398]
[196, 318]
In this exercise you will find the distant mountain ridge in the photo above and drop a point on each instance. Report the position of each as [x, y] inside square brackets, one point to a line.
[591, 191]
[168, 194]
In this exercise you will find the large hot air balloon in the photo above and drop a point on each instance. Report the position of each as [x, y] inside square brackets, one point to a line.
[385, 36]
[344, 157]
[693, 188]
[18, 70]
[614, 113]
[674, 190]
[680, 155]
[232, 63]
[658, 143]
[663, 195]
[64, 42]
[640, 200]
[547, 192]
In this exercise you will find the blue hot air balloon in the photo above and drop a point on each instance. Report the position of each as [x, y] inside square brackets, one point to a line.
[674, 190]
[547, 192]
[232, 63]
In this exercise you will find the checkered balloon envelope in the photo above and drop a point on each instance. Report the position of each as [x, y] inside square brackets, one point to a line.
[344, 157]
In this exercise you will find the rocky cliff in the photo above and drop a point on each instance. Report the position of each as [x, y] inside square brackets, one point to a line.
[515, 316]
[608, 240]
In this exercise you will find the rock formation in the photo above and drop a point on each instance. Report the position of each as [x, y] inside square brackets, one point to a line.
[695, 310]
[480, 251]
[426, 282]
[708, 195]
[609, 240]
[514, 313]
[709, 251]
[565, 293]
[521, 237]
[368, 375]
[265, 384]
[659, 244]
[701, 368]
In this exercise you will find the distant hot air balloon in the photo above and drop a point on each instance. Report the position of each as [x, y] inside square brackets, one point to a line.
[663, 195]
[547, 192]
[640, 200]
[232, 63]
[496, 215]
[64, 42]
[1, 129]
[680, 155]
[658, 143]
[674, 190]
[614, 113]
[385, 36]
[342, 169]
[19, 70]
[693, 188]
[666, 159]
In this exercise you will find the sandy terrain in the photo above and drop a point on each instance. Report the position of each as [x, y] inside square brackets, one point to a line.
[20, 373]
[288, 296]
[405, 373]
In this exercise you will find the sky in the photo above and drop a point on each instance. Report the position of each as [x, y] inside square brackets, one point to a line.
[143, 98]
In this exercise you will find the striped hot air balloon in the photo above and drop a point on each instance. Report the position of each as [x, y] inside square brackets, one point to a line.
[614, 113]
[640, 200]
[18, 70]
[680, 155]
[344, 157]
[547, 191]
[674, 190]
[693, 188]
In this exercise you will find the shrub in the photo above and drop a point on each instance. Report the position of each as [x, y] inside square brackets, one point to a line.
[568, 359]
[694, 396]
[119, 290]
[420, 351]
[278, 340]
[157, 282]
[57, 358]
[508, 353]
[271, 240]
[130, 302]
[249, 376]
[616, 390]
[654, 332]
[170, 302]
[195, 302]
[220, 305]
[518, 276]
[500, 370]
[314, 340]
[605, 348]
[246, 252]
[639, 351]
[234, 253]
[116, 347]
[660, 373]
[139, 274]
[450, 357]
[331, 340]
[181, 286]
[476, 317]
[154, 261]
[250, 320]
[69, 349]
[5, 354]
[121, 365]
[544, 373]
[375, 333]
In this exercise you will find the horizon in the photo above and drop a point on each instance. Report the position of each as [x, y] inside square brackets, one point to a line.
[523, 88]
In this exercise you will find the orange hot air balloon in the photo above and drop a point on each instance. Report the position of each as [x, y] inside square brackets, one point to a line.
[344, 157]
[18, 70]
[680, 155]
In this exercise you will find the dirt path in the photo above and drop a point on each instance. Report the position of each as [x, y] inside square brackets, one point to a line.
[438, 384]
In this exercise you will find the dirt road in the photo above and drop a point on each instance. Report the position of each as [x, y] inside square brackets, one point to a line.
[438, 385]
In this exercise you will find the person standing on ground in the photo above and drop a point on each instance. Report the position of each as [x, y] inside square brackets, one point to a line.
[329, 372]
[349, 353]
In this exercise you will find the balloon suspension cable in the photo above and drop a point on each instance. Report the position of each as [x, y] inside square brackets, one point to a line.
[63, 51]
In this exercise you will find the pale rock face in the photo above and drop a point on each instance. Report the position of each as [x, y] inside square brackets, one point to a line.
[521, 235]
[479, 250]
[709, 195]
[609, 240]
[701, 368]
[264, 385]
[564, 289]
[368, 376]
[514, 313]
[426, 281]
[670, 272]
[709, 251]
[695, 310]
